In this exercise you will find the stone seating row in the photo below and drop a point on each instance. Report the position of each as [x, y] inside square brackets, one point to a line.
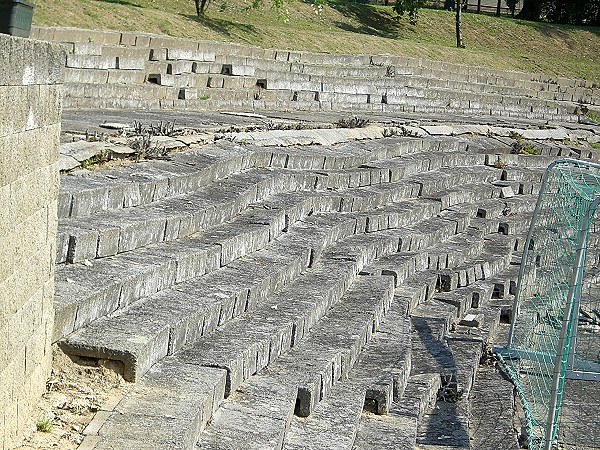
[346, 292]
[121, 72]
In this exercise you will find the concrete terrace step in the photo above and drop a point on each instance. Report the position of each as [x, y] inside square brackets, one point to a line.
[418, 101]
[312, 368]
[85, 193]
[140, 334]
[85, 293]
[376, 381]
[121, 286]
[284, 321]
[110, 232]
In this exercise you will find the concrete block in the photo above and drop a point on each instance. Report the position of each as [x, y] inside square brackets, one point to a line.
[158, 54]
[188, 93]
[91, 62]
[126, 76]
[129, 63]
[180, 67]
[161, 79]
[87, 48]
[95, 76]
[186, 54]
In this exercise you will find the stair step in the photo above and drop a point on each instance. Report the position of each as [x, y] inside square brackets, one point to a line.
[377, 432]
[445, 427]
[376, 381]
[149, 181]
[112, 232]
[314, 365]
[333, 424]
[166, 409]
[420, 394]
[492, 396]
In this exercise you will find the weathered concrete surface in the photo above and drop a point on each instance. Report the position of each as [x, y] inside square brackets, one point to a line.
[30, 95]
[247, 259]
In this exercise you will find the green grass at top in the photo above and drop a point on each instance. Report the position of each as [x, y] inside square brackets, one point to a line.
[346, 27]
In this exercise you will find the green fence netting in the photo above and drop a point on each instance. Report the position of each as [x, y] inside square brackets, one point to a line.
[553, 351]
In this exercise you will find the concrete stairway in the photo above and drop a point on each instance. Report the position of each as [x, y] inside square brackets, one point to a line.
[107, 69]
[267, 297]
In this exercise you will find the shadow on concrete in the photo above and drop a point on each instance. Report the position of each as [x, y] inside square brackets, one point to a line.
[444, 426]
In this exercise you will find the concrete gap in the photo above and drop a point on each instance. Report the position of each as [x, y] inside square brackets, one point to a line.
[311, 258]
[506, 315]
[71, 249]
[503, 228]
[391, 273]
[226, 69]
[498, 290]
[475, 300]
[286, 226]
[261, 83]
[302, 407]
[169, 69]
[370, 405]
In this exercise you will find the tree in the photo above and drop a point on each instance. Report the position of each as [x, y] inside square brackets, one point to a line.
[512, 5]
[532, 10]
[459, 41]
[578, 12]
[411, 7]
[201, 6]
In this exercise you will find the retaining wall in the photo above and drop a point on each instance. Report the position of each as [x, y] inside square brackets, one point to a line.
[30, 110]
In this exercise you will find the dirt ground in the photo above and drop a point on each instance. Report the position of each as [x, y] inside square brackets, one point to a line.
[74, 393]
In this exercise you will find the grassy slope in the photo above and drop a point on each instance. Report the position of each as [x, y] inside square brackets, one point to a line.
[347, 28]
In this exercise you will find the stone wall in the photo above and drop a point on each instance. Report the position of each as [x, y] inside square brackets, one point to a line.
[30, 110]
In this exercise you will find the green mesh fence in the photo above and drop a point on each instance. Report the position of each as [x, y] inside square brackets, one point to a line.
[554, 344]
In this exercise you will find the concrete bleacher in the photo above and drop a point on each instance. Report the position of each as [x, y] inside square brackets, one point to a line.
[305, 289]
[109, 69]
[328, 296]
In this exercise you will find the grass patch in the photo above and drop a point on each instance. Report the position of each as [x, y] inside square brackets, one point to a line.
[45, 425]
[347, 27]
[596, 145]
[593, 115]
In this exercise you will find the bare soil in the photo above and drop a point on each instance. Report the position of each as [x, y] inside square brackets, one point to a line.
[74, 393]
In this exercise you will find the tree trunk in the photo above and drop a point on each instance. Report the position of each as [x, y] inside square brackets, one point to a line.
[459, 42]
[498, 6]
[197, 2]
[478, 6]
[531, 10]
